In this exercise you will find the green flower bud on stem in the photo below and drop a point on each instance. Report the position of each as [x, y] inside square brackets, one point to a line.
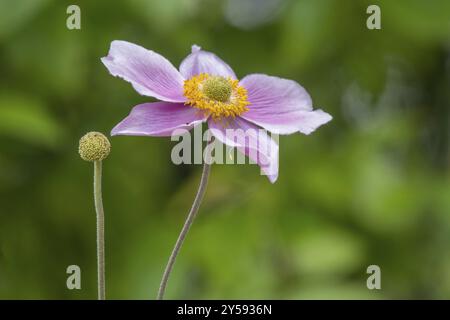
[94, 146]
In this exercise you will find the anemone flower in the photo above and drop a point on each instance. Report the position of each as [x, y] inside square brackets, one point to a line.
[206, 89]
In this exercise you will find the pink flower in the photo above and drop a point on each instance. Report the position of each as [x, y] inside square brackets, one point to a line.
[205, 88]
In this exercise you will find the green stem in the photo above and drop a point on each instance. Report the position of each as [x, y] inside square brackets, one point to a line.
[100, 229]
[185, 229]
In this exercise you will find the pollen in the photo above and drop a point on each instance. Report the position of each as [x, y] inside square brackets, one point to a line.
[216, 96]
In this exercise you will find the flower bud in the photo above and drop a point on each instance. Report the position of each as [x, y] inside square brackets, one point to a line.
[94, 146]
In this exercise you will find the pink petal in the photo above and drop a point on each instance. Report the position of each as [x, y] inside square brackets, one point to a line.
[250, 140]
[150, 73]
[200, 61]
[158, 119]
[281, 106]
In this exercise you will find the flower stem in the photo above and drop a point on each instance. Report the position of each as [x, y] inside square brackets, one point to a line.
[100, 229]
[185, 229]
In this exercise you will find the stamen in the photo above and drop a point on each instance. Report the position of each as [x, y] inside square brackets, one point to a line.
[216, 96]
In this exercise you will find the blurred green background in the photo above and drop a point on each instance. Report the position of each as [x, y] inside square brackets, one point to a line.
[371, 187]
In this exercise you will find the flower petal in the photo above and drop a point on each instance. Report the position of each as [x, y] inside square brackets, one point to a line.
[150, 73]
[158, 119]
[297, 121]
[281, 106]
[250, 140]
[200, 61]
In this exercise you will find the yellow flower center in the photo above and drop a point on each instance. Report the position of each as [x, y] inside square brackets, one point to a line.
[217, 96]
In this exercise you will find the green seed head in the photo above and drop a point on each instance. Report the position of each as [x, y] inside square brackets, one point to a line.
[94, 146]
[217, 88]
